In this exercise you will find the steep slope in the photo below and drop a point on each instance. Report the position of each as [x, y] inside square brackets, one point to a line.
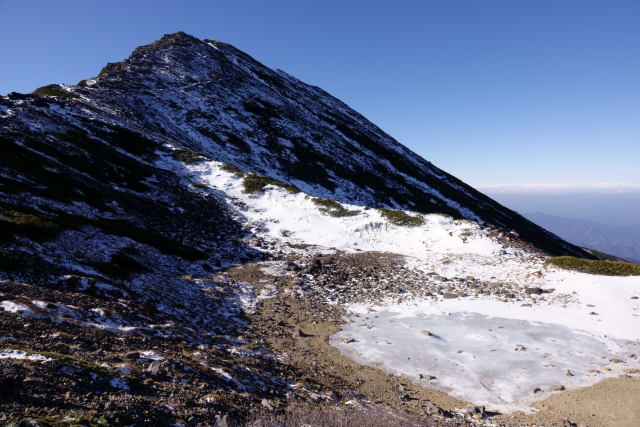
[211, 98]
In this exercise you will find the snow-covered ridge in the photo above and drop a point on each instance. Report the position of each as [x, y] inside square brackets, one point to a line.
[214, 99]
[295, 218]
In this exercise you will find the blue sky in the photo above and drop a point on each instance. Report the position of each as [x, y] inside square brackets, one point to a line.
[496, 92]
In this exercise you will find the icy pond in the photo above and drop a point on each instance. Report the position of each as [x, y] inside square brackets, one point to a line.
[502, 363]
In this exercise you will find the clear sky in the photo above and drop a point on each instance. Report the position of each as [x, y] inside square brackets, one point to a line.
[497, 92]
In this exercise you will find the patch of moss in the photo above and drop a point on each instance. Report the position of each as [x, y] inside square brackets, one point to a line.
[232, 169]
[111, 67]
[254, 184]
[400, 218]
[188, 156]
[465, 234]
[606, 268]
[26, 222]
[54, 90]
[199, 185]
[333, 208]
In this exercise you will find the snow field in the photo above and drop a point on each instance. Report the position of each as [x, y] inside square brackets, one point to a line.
[482, 349]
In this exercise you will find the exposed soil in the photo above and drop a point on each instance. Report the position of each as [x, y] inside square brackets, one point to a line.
[612, 402]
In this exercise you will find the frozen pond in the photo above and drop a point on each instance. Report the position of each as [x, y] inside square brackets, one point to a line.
[502, 363]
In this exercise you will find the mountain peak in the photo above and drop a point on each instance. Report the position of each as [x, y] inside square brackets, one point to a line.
[178, 54]
[211, 98]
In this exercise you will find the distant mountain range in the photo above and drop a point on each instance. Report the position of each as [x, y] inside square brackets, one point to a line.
[622, 241]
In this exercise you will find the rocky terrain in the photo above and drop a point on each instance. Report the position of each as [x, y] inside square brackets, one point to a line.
[192, 238]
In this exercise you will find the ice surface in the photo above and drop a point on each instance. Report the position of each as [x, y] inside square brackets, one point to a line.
[493, 352]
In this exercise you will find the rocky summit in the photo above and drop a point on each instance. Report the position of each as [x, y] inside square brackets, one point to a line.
[184, 236]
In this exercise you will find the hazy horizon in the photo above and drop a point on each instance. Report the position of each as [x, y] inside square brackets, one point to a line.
[608, 207]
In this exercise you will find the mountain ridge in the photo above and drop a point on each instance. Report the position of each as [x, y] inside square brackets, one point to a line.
[211, 98]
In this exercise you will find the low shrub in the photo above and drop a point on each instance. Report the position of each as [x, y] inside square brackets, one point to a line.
[26, 222]
[254, 184]
[54, 90]
[232, 169]
[400, 218]
[606, 268]
[465, 234]
[111, 67]
[199, 185]
[188, 156]
[333, 208]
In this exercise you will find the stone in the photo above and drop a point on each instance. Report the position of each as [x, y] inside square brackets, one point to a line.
[425, 333]
[559, 387]
[222, 421]
[426, 377]
[536, 390]
[533, 291]
[300, 334]
[154, 367]
[267, 404]
[448, 295]
[477, 412]
[431, 408]
[32, 381]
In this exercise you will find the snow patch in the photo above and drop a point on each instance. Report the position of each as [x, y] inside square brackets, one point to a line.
[23, 355]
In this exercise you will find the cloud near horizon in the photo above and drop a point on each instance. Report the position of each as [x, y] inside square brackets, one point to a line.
[623, 187]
